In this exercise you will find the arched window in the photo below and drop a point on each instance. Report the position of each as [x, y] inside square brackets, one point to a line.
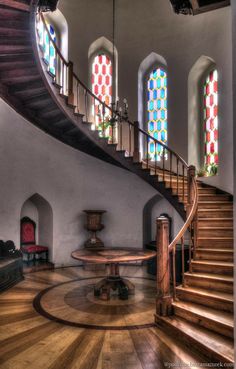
[102, 88]
[211, 121]
[46, 44]
[156, 111]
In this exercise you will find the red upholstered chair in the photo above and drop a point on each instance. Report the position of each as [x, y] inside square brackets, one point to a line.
[28, 240]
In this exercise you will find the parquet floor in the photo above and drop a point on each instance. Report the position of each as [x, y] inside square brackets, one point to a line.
[29, 340]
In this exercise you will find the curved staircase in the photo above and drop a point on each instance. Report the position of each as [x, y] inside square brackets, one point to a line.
[202, 310]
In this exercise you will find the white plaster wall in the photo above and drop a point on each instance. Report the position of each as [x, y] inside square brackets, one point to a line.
[33, 162]
[151, 26]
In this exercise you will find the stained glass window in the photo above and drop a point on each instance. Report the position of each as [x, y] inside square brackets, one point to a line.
[157, 111]
[211, 119]
[102, 88]
[49, 53]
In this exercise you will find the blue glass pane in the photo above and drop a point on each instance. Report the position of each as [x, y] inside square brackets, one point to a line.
[157, 111]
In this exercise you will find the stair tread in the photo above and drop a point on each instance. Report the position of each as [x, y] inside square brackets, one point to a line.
[222, 317]
[215, 227]
[205, 292]
[215, 219]
[219, 277]
[215, 262]
[214, 250]
[215, 238]
[214, 342]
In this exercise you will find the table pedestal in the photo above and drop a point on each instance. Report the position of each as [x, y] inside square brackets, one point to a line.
[114, 282]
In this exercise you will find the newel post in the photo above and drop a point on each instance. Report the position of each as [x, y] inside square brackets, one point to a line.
[163, 299]
[70, 84]
[136, 154]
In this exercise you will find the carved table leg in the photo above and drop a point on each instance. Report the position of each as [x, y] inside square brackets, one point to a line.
[115, 282]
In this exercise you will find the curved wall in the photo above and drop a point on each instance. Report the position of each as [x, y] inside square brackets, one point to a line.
[150, 26]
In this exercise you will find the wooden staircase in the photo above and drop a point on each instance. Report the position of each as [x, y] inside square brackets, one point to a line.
[203, 308]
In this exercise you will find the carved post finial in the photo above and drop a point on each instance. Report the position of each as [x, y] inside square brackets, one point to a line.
[163, 300]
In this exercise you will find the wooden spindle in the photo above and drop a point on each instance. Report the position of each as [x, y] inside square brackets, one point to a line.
[163, 300]
[136, 154]
[182, 257]
[77, 96]
[130, 153]
[70, 84]
[86, 104]
[170, 169]
[155, 158]
[163, 164]
[190, 248]
[174, 271]
[147, 158]
[183, 183]
[177, 176]
[121, 135]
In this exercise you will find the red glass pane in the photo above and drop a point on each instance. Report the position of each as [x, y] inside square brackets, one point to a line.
[210, 118]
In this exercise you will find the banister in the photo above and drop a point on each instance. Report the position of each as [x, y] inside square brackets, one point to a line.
[141, 131]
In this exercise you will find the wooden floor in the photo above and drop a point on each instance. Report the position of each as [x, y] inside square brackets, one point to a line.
[29, 340]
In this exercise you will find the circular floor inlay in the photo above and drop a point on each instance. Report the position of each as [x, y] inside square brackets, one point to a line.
[73, 303]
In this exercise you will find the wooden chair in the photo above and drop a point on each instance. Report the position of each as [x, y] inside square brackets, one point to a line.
[28, 240]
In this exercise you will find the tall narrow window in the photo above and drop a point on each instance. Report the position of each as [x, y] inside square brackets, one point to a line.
[211, 120]
[157, 111]
[102, 88]
[46, 44]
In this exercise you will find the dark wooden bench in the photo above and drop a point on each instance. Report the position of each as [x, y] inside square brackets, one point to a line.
[11, 265]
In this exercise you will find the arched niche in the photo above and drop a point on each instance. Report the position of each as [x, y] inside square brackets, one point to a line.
[59, 22]
[196, 78]
[148, 221]
[38, 209]
[151, 61]
[155, 207]
[103, 45]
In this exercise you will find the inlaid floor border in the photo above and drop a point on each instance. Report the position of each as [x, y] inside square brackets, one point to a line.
[40, 310]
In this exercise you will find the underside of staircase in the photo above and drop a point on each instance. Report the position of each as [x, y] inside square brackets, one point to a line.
[203, 311]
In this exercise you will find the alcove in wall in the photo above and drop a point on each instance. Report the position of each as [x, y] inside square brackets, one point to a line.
[39, 210]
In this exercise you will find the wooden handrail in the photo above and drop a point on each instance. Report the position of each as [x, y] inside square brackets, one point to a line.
[89, 92]
[188, 220]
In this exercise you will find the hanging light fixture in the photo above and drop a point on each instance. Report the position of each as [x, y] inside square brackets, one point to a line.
[117, 112]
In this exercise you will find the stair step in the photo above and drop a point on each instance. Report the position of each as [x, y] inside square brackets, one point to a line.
[214, 222]
[215, 205]
[215, 347]
[39, 102]
[206, 190]
[213, 197]
[21, 5]
[11, 65]
[214, 320]
[217, 282]
[217, 267]
[207, 231]
[16, 24]
[214, 254]
[14, 14]
[216, 299]
[214, 213]
[19, 75]
[15, 49]
[216, 242]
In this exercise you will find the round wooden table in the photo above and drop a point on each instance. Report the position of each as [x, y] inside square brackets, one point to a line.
[113, 256]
